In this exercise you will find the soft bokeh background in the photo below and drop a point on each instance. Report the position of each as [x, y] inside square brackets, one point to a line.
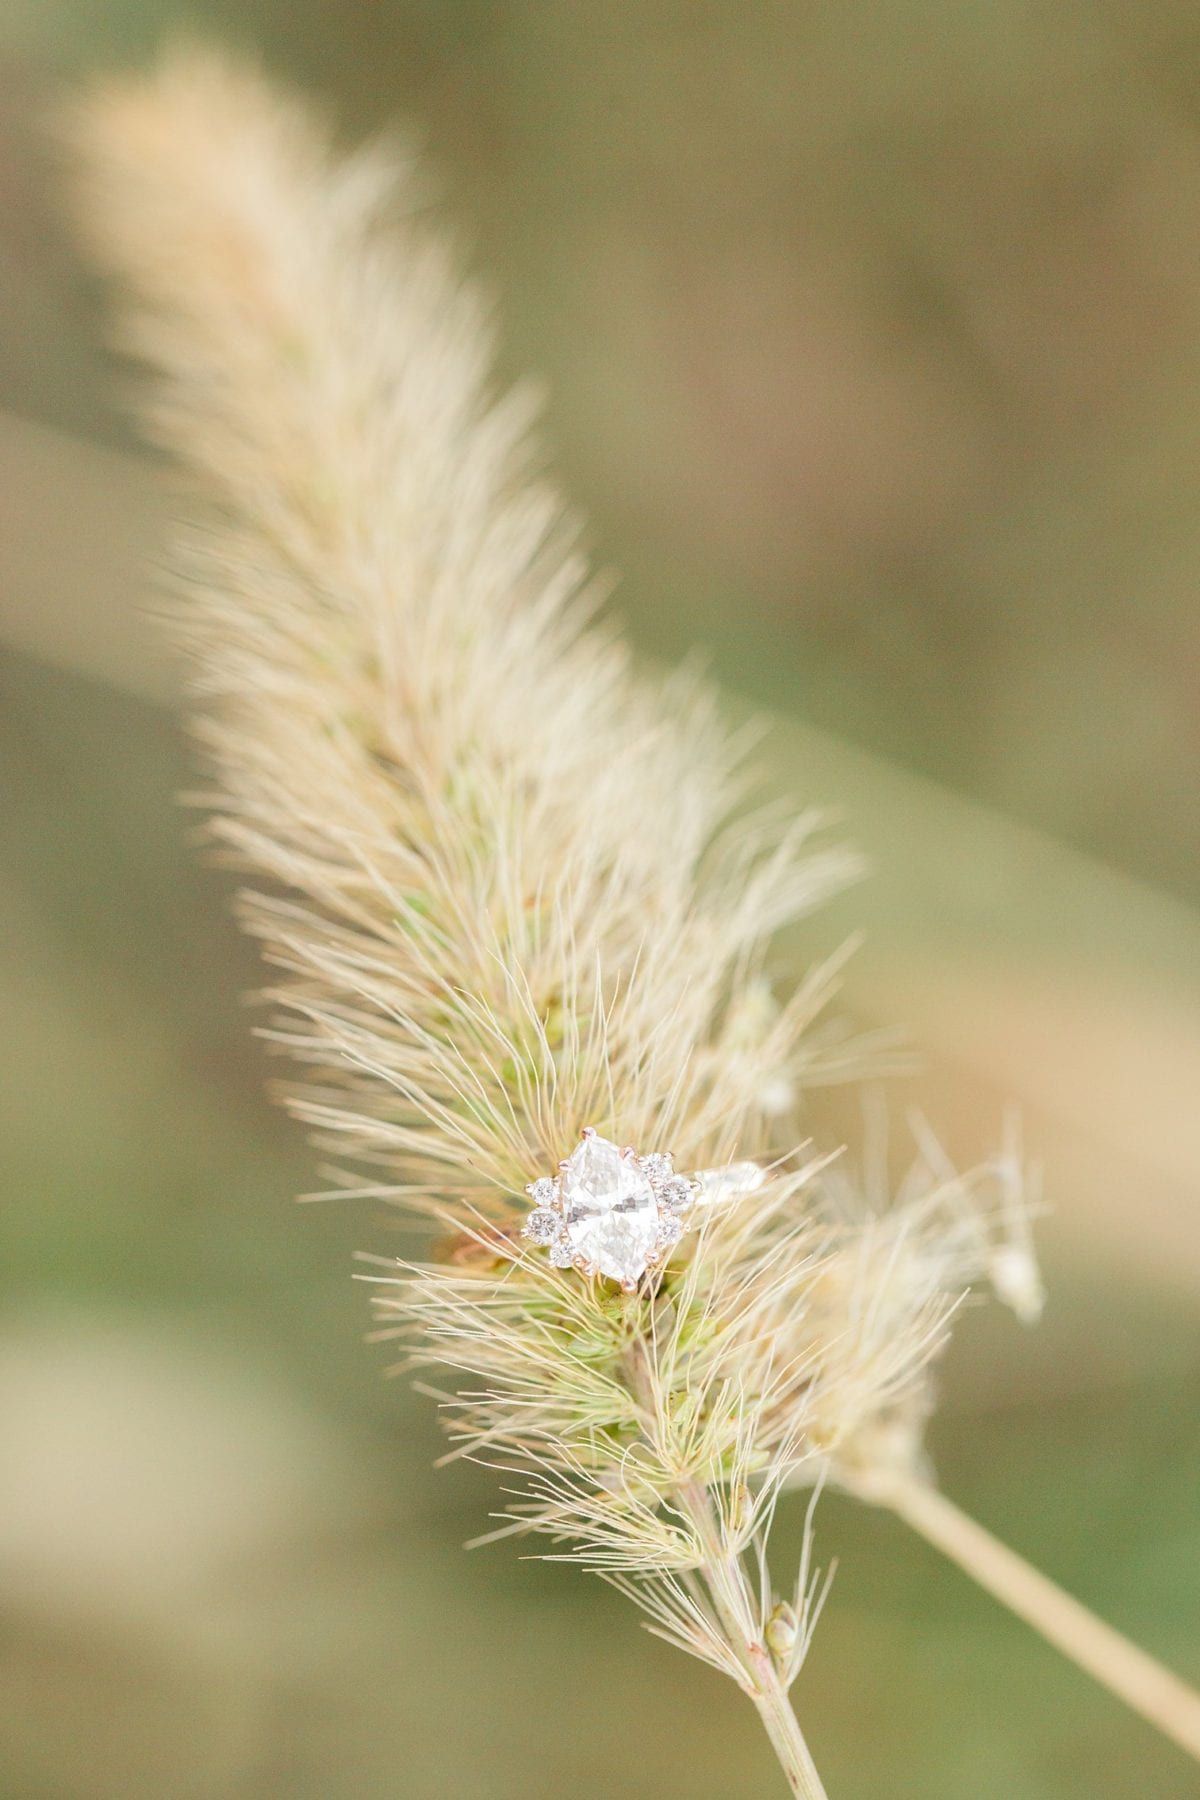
[872, 336]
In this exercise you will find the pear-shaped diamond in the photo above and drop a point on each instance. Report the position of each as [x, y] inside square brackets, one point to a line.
[609, 1210]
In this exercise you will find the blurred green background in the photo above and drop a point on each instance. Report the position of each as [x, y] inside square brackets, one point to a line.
[872, 342]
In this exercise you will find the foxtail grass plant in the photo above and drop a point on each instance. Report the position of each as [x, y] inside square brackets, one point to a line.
[513, 892]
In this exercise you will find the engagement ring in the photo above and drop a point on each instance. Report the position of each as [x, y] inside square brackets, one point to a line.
[616, 1213]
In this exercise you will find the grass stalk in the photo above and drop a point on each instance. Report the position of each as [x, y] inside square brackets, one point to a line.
[1158, 1695]
[725, 1577]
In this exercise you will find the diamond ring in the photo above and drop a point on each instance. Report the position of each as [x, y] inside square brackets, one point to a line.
[617, 1213]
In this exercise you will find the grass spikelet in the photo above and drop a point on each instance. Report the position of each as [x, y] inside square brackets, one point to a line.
[509, 888]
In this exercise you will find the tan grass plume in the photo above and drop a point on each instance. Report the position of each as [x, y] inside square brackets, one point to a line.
[510, 889]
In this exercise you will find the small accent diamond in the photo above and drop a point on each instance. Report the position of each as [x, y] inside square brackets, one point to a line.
[657, 1165]
[670, 1230]
[544, 1191]
[542, 1226]
[676, 1193]
[562, 1253]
